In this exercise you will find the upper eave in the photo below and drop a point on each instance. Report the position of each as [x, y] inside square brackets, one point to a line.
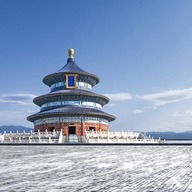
[70, 68]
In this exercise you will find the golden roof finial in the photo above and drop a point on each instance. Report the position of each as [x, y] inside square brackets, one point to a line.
[71, 53]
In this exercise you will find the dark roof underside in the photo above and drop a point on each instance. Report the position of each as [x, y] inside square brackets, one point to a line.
[70, 111]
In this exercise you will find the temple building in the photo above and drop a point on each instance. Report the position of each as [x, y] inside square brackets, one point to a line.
[71, 106]
[72, 114]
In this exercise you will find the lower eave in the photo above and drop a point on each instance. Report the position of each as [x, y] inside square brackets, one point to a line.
[71, 111]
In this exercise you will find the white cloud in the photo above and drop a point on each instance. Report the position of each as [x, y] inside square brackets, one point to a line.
[189, 112]
[182, 114]
[14, 118]
[169, 96]
[21, 106]
[111, 105]
[178, 126]
[119, 96]
[137, 111]
[17, 99]
[178, 114]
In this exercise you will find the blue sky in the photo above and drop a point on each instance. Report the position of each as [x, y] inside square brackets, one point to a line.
[141, 50]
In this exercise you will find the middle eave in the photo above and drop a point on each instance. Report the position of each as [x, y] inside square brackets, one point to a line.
[68, 94]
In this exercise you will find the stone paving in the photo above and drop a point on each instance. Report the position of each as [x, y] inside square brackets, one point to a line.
[96, 168]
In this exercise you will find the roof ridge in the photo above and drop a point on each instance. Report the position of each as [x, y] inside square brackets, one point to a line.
[71, 66]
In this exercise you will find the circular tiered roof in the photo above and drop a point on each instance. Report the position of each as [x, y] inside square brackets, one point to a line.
[75, 94]
[54, 103]
[71, 68]
[71, 111]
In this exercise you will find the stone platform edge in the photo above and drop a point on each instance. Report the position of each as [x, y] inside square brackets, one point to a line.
[95, 144]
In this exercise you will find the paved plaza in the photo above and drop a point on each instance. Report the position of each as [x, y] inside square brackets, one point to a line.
[96, 168]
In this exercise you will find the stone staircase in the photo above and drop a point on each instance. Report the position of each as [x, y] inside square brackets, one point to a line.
[74, 139]
[82, 139]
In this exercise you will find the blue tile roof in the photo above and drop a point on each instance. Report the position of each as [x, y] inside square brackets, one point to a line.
[70, 111]
[68, 92]
[71, 67]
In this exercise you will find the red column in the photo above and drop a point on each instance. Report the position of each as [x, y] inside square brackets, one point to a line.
[82, 129]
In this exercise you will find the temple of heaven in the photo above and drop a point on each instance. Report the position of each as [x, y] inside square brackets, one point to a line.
[71, 106]
[72, 114]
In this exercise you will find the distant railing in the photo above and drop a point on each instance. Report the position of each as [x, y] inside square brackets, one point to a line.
[32, 137]
[118, 137]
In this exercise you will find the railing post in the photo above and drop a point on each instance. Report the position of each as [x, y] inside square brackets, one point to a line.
[108, 136]
[60, 137]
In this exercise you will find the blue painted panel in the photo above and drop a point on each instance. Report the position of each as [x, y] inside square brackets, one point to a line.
[71, 81]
